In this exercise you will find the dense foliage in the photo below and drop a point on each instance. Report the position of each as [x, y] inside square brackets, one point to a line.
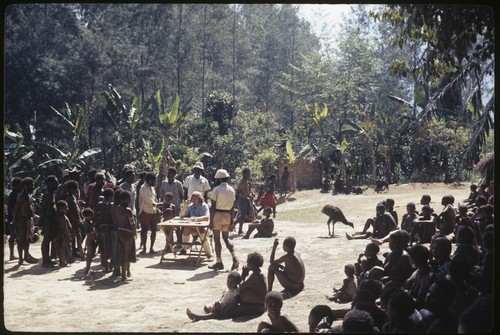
[406, 97]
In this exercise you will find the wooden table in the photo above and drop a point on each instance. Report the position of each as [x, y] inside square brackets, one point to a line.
[178, 222]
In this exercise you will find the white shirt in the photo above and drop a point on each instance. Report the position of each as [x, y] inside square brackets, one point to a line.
[192, 184]
[224, 195]
[147, 199]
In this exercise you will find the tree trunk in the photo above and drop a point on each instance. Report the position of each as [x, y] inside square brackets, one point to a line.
[204, 59]
[179, 33]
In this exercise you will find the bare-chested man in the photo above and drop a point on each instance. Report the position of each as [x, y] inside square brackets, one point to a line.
[289, 268]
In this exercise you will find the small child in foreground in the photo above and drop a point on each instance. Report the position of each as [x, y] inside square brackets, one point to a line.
[228, 295]
[280, 323]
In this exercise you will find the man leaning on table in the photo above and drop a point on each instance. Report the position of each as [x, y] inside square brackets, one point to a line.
[197, 211]
[222, 218]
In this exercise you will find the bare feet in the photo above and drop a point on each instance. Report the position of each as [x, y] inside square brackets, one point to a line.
[191, 315]
[348, 237]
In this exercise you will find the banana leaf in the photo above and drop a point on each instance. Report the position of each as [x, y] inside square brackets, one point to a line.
[21, 160]
[51, 163]
[89, 153]
[12, 135]
[65, 119]
[50, 149]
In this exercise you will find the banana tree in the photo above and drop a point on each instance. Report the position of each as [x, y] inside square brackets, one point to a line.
[319, 117]
[172, 114]
[78, 122]
[125, 119]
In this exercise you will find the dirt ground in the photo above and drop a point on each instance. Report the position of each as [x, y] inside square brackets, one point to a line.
[156, 296]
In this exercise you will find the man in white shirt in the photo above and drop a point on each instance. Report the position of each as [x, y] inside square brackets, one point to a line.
[196, 182]
[149, 215]
[222, 218]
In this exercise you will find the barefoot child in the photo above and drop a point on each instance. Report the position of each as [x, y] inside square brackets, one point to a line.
[90, 236]
[64, 230]
[290, 275]
[265, 227]
[228, 295]
[280, 323]
[104, 221]
[125, 244]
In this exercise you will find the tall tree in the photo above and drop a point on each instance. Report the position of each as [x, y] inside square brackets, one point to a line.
[458, 52]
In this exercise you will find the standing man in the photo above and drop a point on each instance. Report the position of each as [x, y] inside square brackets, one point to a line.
[48, 219]
[285, 181]
[129, 185]
[244, 201]
[222, 218]
[173, 186]
[196, 182]
[23, 216]
[149, 215]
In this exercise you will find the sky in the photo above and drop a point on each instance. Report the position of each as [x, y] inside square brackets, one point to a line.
[324, 18]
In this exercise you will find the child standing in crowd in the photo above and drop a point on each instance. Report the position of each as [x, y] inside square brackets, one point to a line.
[90, 236]
[268, 199]
[64, 231]
[126, 235]
[104, 222]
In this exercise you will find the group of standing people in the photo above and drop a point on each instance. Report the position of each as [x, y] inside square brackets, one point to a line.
[79, 220]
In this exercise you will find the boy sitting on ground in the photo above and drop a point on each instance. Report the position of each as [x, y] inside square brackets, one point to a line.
[265, 227]
[290, 275]
[383, 223]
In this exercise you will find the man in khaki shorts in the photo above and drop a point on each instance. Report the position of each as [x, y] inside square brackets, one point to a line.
[222, 218]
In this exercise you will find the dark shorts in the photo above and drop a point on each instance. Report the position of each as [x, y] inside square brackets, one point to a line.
[244, 205]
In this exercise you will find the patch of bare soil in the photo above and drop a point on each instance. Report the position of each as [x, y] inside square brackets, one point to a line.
[156, 296]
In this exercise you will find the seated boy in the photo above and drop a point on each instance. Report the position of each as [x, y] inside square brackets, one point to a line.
[279, 323]
[290, 275]
[383, 223]
[265, 227]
